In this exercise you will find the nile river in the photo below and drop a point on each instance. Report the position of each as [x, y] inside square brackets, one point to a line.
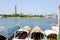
[43, 23]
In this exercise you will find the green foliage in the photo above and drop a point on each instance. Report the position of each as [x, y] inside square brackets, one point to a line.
[21, 15]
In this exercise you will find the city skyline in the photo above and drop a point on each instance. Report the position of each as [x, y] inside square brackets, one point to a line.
[29, 6]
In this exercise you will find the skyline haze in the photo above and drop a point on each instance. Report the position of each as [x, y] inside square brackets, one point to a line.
[29, 6]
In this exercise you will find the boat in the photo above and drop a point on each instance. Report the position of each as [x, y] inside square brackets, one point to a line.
[37, 33]
[22, 34]
[51, 34]
[7, 32]
[2, 37]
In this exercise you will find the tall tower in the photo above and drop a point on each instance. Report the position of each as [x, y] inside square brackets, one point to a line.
[15, 9]
[59, 9]
[15, 15]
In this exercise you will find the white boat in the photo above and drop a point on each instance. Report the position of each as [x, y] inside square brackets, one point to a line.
[22, 34]
[51, 34]
[6, 33]
[3, 33]
[37, 33]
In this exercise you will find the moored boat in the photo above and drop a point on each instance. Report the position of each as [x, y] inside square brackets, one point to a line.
[37, 33]
[51, 34]
[21, 34]
[3, 33]
[6, 33]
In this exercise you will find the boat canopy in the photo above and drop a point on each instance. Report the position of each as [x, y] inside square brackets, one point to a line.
[48, 32]
[56, 28]
[23, 30]
[36, 29]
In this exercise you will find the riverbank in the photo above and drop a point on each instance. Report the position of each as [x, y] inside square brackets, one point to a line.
[21, 15]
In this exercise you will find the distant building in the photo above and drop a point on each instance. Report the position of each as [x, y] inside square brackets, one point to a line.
[51, 16]
[0, 16]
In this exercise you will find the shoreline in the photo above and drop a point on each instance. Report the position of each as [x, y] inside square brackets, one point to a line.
[22, 17]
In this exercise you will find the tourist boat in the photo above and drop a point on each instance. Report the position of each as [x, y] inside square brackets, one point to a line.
[51, 34]
[6, 33]
[22, 34]
[2, 36]
[37, 33]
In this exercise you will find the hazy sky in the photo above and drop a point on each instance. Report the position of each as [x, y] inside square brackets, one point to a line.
[29, 6]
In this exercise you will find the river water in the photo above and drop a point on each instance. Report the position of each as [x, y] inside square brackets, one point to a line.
[43, 23]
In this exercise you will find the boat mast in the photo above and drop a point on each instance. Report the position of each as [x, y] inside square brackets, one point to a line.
[59, 15]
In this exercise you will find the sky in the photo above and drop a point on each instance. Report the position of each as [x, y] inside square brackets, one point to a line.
[29, 6]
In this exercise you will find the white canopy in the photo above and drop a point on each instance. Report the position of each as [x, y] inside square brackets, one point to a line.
[56, 28]
[23, 30]
[47, 32]
[26, 28]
